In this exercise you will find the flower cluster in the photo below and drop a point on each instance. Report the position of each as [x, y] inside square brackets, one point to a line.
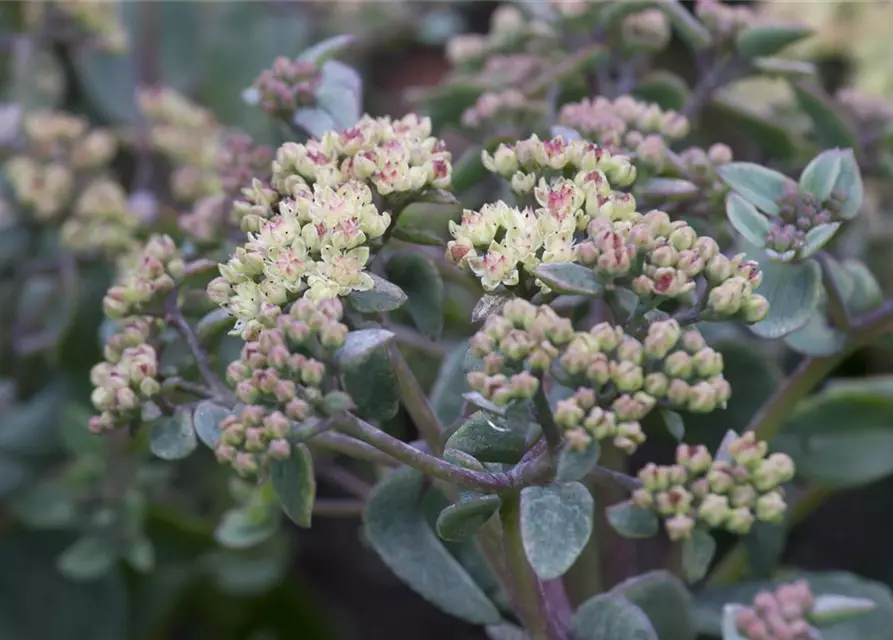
[103, 220]
[699, 167]
[61, 151]
[281, 381]
[520, 339]
[625, 125]
[393, 157]
[779, 614]
[663, 258]
[496, 110]
[509, 32]
[799, 213]
[315, 245]
[730, 493]
[619, 380]
[146, 277]
[647, 30]
[188, 136]
[724, 21]
[125, 379]
[287, 85]
[96, 20]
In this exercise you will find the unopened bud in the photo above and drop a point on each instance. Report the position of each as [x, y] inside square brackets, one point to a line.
[771, 507]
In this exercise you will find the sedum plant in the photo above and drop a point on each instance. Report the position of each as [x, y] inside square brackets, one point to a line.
[612, 266]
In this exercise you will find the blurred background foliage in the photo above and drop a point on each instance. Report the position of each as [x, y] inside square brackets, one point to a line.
[323, 582]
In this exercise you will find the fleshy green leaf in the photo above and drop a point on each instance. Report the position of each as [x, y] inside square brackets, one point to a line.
[340, 94]
[314, 121]
[569, 278]
[446, 394]
[295, 485]
[207, 419]
[214, 324]
[817, 337]
[488, 304]
[793, 292]
[574, 464]
[697, 554]
[90, 557]
[461, 520]
[756, 184]
[730, 622]
[506, 631]
[867, 292]
[140, 554]
[818, 237]
[769, 39]
[383, 296]
[556, 523]
[665, 600]
[361, 344]
[611, 617]
[242, 529]
[689, 28]
[674, 423]
[849, 182]
[830, 126]
[833, 609]
[669, 188]
[842, 437]
[173, 438]
[749, 222]
[372, 384]
[396, 528]
[631, 521]
[415, 274]
[491, 438]
[666, 89]
[328, 48]
[874, 625]
[821, 173]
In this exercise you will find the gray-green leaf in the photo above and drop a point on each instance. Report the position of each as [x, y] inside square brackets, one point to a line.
[569, 278]
[746, 220]
[793, 292]
[173, 438]
[416, 275]
[756, 184]
[631, 521]
[207, 419]
[556, 523]
[611, 617]
[396, 527]
[574, 464]
[697, 554]
[295, 485]
[383, 296]
[821, 173]
[461, 520]
[360, 344]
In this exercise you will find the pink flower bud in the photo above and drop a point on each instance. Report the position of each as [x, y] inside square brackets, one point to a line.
[740, 521]
[770, 507]
[679, 527]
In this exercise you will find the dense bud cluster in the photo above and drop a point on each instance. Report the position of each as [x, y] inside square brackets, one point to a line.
[664, 258]
[151, 273]
[619, 379]
[279, 378]
[103, 220]
[646, 30]
[504, 109]
[97, 20]
[188, 136]
[731, 493]
[61, 151]
[125, 379]
[799, 213]
[671, 367]
[625, 125]
[725, 21]
[287, 85]
[509, 32]
[779, 615]
[521, 339]
[391, 156]
[699, 167]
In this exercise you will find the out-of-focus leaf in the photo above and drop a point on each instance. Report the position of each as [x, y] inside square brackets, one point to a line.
[295, 485]
[830, 127]
[774, 138]
[631, 521]
[665, 600]
[609, 616]
[416, 275]
[666, 89]
[697, 554]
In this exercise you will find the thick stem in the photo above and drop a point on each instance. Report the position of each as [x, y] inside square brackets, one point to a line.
[174, 317]
[527, 589]
[340, 443]
[544, 412]
[415, 400]
[427, 464]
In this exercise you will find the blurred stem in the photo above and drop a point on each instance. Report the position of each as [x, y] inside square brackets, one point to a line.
[338, 508]
[864, 330]
[733, 566]
[836, 301]
[547, 422]
[174, 317]
[721, 73]
[340, 443]
[527, 589]
[415, 400]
